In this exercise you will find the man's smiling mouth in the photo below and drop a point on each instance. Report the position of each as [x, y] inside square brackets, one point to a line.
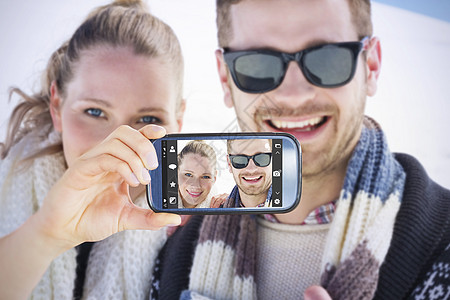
[305, 125]
[251, 179]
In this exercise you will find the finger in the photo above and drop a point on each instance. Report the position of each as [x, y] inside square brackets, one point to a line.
[136, 140]
[134, 217]
[153, 131]
[123, 152]
[316, 292]
[184, 219]
[140, 143]
[83, 170]
[214, 202]
[171, 230]
[218, 202]
[222, 198]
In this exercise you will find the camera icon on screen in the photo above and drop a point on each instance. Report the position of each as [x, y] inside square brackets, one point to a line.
[277, 173]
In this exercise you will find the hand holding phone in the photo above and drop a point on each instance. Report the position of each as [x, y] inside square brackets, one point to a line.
[226, 173]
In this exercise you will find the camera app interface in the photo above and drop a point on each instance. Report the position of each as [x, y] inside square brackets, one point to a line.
[222, 173]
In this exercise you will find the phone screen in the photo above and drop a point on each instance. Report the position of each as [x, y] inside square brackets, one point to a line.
[228, 174]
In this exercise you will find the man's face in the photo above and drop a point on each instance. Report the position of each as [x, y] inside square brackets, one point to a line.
[252, 180]
[326, 121]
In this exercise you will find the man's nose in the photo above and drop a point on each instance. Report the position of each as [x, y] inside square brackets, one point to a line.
[295, 88]
[251, 165]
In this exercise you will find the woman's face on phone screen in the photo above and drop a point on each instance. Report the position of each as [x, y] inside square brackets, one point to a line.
[113, 87]
[196, 176]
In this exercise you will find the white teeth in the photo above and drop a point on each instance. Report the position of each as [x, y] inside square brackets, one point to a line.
[286, 124]
[252, 178]
[194, 193]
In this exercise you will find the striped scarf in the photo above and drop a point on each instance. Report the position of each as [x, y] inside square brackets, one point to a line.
[225, 258]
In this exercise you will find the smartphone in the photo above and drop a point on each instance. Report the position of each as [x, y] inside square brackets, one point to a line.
[226, 173]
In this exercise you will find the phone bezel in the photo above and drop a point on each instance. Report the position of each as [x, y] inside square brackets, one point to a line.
[291, 180]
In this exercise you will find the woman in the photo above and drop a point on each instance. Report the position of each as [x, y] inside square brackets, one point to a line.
[197, 174]
[76, 159]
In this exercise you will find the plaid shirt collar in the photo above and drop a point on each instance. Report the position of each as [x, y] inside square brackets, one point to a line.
[322, 215]
[266, 203]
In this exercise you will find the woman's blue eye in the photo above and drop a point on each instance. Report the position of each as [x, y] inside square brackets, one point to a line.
[206, 177]
[188, 174]
[150, 120]
[95, 112]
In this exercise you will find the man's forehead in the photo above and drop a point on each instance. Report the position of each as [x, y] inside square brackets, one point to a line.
[289, 25]
[251, 146]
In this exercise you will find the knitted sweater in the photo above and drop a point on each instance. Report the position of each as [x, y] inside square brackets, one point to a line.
[282, 250]
[417, 252]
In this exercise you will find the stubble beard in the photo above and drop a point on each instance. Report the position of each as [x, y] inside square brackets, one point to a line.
[333, 155]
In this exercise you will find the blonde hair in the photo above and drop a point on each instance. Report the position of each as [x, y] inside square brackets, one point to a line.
[201, 148]
[359, 9]
[123, 23]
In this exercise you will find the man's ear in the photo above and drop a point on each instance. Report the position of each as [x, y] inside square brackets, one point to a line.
[180, 114]
[55, 107]
[229, 164]
[373, 63]
[224, 78]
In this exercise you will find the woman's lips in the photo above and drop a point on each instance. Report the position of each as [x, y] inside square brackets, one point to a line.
[194, 194]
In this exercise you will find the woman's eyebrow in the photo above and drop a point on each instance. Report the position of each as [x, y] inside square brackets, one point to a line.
[152, 109]
[108, 104]
[97, 101]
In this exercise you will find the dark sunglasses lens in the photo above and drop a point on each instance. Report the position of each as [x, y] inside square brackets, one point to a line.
[329, 66]
[262, 159]
[239, 161]
[258, 72]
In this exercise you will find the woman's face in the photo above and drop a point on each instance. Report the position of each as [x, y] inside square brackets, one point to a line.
[196, 176]
[113, 87]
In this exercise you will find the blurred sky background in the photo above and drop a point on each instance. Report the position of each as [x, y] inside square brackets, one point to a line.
[412, 102]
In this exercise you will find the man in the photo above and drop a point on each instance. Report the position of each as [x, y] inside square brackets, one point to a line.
[370, 224]
[250, 162]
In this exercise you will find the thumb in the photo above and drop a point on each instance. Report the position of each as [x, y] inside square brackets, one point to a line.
[140, 218]
[316, 292]
[153, 131]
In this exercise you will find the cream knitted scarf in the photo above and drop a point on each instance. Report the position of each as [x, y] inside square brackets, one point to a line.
[119, 266]
[358, 240]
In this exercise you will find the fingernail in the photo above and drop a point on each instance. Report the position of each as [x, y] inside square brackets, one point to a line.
[134, 179]
[176, 223]
[145, 175]
[152, 160]
[157, 128]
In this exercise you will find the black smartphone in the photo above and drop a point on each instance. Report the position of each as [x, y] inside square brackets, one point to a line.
[226, 173]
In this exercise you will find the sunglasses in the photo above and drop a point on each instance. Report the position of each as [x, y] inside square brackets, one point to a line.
[241, 161]
[327, 66]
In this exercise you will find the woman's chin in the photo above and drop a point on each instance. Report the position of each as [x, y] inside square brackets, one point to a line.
[193, 204]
